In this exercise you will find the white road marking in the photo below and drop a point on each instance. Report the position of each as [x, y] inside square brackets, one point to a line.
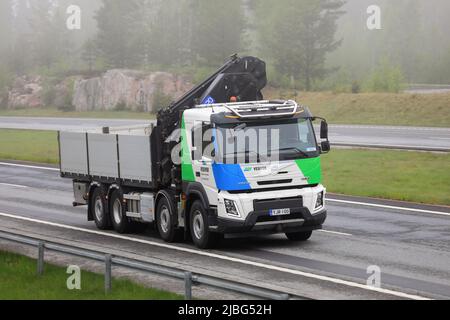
[13, 185]
[27, 166]
[337, 233]
[389, 207]
[393, 146]
[226, 258]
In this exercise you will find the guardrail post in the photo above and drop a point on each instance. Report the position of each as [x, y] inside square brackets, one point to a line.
[40, 260]
[108, 280]
[188, 286]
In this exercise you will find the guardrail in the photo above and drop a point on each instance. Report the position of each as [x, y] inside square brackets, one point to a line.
[190, 279]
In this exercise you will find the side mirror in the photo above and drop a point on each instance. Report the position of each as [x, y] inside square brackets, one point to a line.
[325, 147]
[324, 130]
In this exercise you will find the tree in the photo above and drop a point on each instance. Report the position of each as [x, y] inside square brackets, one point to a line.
[298, 35]
[115, 32]
[5, 27]
[217, 29]
[89, 54]
[48, 36]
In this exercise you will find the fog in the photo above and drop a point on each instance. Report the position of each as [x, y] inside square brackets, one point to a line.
[310, 44]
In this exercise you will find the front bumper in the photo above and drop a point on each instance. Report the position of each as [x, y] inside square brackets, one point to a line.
[301, 220]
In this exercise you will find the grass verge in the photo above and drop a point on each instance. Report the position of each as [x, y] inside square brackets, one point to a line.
[54, 113]
[18, 281]
[34, 146]
[397, 175]
[423, 110]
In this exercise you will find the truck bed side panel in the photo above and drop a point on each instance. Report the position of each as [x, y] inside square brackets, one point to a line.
[135, 158]
[73, 153]
[103, 160]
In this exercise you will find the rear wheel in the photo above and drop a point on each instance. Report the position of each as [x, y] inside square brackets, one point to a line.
[201, 236]
[118, 210]
[99, 209]
[165, 223]
[299, 236]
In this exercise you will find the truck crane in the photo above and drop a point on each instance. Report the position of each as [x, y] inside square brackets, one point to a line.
[220, 161]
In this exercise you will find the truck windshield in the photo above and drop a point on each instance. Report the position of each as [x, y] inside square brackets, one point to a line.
[257, 142]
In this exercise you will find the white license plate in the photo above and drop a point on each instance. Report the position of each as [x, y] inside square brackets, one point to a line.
[280, 212]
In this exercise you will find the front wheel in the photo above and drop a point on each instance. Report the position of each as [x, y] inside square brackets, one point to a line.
[165, 223]
[201, 236]
[299, 236]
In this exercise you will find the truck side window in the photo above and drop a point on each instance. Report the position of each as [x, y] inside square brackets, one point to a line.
[202, 141]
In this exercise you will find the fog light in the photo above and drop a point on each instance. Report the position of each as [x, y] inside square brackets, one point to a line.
[230, 207]
[319, 202]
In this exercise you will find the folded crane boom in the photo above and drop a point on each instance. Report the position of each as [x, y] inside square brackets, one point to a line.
[240, 78]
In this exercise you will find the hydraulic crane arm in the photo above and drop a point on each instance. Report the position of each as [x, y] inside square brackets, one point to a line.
[241, 78]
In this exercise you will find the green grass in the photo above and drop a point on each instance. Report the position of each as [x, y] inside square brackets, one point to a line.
[34, 146]
[18, 281]
[427, 110]
[54, 113]
[399, 175]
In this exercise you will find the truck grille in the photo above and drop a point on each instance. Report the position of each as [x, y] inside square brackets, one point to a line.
[283, 203]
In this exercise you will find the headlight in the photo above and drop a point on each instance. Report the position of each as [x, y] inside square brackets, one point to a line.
[319, 202]
[230, 207]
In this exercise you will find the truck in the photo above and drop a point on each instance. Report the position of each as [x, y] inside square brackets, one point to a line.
[220, 161]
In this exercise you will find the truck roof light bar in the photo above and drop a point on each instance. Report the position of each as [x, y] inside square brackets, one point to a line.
[258, 109]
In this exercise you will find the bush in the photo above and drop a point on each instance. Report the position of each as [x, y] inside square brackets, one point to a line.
[120, 106]
[67, 105]
[385, 78]
[160, 100]
[356, 87]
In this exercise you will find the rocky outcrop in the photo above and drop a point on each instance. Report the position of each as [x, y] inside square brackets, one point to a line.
[127, 89]
[26, 92]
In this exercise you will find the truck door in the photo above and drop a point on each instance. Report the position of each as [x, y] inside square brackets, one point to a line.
[203, 158]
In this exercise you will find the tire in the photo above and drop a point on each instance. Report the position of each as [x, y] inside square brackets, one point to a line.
[120, 222]
[165, 223]
[99, 207]
[199, 227]
[299, 236]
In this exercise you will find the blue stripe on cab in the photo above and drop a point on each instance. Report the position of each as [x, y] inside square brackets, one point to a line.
[229, 177]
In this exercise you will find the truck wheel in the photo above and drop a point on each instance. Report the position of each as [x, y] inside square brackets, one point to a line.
[299, 236]
[99, 209]
[118, 210]
[201, 236]
[164, 223]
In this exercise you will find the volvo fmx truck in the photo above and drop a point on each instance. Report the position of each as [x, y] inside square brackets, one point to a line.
[220, 161]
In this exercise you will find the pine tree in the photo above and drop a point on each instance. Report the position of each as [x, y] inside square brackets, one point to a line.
[217, 29]
[298, 35]
[89, 54]
[115, 32]
[5, 27]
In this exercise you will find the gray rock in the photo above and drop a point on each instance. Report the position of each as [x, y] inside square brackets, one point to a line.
[127, 89]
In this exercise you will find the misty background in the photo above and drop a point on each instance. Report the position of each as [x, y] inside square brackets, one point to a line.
[310, 45]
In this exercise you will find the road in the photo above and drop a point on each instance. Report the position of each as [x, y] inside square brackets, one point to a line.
[411, 138]
[409, 243]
